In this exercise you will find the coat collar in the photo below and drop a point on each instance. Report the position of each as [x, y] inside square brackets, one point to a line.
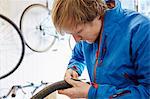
[113, 15]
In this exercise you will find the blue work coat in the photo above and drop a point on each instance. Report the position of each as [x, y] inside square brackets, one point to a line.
[123, 69]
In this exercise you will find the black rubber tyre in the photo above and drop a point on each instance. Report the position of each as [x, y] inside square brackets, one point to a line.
[51, 88]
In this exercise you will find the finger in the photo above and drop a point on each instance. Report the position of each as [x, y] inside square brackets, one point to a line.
[66, 92]
[72, 82]
[74, 75]
[67, 75]
[60, 91]
[63, 91]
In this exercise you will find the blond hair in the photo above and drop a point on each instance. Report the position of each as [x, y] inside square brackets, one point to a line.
[67, 13]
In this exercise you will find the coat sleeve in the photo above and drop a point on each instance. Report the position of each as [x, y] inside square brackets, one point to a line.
[140, 44]
[77, 62]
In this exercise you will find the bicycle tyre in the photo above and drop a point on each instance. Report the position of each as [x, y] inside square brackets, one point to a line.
[51, 88]
[17, 63]
[24, 18]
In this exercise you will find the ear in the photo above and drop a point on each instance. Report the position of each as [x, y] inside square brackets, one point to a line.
[110, 4]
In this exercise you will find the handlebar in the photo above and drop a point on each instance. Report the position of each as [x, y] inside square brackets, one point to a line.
[15, 88]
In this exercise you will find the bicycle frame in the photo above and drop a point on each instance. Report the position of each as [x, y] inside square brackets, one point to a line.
[13, 90]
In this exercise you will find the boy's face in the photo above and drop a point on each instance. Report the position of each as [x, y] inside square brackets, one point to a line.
[88, 31]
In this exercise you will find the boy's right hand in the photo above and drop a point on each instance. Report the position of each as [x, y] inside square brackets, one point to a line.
[70, 73]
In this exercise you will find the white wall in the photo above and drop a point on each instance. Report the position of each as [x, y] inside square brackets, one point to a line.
[49, 66]
[142, 6]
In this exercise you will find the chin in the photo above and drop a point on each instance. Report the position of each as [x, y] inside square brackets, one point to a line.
[90, 42]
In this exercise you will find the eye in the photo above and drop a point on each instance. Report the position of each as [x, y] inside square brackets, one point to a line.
[79, 31]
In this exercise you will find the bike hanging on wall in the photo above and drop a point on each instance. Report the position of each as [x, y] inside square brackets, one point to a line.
[38, 29]
[12, 47]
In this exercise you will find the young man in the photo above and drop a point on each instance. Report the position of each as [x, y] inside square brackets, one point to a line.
[114, 45]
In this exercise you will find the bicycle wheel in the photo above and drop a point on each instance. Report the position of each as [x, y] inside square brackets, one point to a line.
[12, 47]
[37, 28]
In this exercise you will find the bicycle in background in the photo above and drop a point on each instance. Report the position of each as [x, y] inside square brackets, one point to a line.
[12, 47]
[38, 30]
[21, 91]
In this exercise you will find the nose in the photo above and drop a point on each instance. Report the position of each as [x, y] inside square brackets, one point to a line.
[77, 38]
